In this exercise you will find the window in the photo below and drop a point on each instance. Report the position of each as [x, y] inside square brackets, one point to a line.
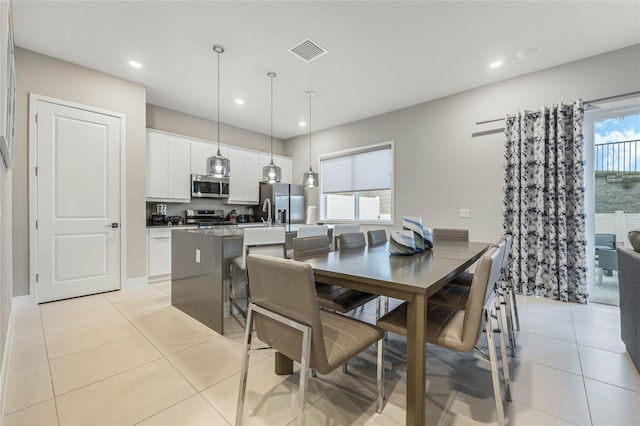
[356, 185]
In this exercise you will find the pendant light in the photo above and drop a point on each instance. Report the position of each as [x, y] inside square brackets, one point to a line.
[271, 173]
[218, 166]
[310, 178]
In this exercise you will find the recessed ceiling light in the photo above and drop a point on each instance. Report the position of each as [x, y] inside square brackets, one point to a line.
[302, 124]
[240, 101]
[135, 64]
[495, 64]
[528, 52]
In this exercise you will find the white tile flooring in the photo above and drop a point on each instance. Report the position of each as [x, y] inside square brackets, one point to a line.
[127, 358]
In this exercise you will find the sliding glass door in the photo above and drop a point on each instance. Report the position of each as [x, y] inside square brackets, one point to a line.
[612, 138]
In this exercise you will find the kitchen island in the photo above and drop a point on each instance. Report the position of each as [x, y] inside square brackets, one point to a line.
[200, 264]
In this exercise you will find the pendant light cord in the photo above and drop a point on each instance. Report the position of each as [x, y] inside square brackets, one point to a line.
[310, 95]
[272, 117]
[218, 119]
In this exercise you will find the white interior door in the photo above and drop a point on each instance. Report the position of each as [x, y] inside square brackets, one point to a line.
[78, 201]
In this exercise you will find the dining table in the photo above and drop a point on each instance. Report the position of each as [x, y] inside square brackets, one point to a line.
[411, 278]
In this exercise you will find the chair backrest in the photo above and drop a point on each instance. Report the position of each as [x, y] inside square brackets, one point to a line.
[261, 236]
[310, 246]
[312, 230]
[343, 229]
[605, 241]
[450, 234]
[507, 255]
[378, 236]
[351, 240]
[481, 292]
[269, 279]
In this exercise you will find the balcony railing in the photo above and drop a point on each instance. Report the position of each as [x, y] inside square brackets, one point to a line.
[618, 157]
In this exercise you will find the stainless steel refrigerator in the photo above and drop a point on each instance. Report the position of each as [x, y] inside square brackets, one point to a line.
[287, 203]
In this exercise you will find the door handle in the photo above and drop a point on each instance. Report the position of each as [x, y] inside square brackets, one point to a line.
[114, 225]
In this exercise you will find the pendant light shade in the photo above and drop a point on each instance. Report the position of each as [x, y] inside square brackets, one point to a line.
[218, 166]
[271, 173]
[310, 178]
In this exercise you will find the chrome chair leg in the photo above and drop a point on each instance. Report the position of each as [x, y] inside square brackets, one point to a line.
[380, 377]
[515, 306]
[305, 359]
[494, 368]
[245, 367]
[503, 352]
[508, 307]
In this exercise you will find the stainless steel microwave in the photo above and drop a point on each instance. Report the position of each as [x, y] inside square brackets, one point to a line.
[203, 186]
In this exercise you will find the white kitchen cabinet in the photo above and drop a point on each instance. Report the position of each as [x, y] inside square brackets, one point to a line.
[157, 151]
[168, 168]
[244, 180]
[159, 240]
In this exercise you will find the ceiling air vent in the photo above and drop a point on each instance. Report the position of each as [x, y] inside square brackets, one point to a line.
[307, 50]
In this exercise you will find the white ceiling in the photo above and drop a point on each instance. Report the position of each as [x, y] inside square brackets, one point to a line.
[382, 55]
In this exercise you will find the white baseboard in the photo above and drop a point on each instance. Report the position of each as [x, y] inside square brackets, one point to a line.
[6, 357]
[20, 302]
[159, 278]
[135, 282]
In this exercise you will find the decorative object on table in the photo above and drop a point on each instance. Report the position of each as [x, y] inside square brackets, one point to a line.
[218, 165]
[427, 235]
[310, 178]
[414, 223]
[402, 243]
[271, 173]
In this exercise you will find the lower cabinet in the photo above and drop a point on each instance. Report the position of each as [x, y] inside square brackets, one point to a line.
[159, 253]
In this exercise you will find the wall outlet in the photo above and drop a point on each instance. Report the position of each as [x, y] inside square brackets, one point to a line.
[464, 213]
[197, 255]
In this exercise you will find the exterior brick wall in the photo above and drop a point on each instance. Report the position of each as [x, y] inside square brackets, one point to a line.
[617, 192]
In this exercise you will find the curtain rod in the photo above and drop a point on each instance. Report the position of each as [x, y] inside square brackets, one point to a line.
[592, 101]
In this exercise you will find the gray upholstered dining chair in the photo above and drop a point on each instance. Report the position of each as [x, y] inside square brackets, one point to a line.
[343, 228]
[375, 237]
[298, 329]
[350, 240]
[309, 231]
[460, 330]
[450, 234]
[332, 297]
[454, 295]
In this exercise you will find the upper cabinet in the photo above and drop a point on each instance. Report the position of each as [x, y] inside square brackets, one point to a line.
[244, 180]
[172, 159]
[168, 168]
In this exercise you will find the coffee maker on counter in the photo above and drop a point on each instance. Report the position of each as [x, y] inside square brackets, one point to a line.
[160, 215]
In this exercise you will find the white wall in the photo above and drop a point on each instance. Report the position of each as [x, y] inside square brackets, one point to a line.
[168, 120]
[439, 167]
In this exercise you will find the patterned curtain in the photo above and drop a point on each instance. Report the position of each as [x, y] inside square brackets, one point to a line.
[544, 202]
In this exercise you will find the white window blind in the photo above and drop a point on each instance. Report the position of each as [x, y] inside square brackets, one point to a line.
[362, 171]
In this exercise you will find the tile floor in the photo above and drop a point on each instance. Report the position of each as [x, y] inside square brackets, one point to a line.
[128, 358]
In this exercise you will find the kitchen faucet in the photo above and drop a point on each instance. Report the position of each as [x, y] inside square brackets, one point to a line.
[267, 206]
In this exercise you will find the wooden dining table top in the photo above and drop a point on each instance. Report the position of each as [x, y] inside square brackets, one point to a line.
[373, 269]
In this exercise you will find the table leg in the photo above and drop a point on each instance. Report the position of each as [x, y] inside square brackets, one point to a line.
[416, 325]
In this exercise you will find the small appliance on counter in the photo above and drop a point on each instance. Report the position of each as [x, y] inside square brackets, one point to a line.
[204, 218]
[245, 218]
[174, 220]
[157, 219]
